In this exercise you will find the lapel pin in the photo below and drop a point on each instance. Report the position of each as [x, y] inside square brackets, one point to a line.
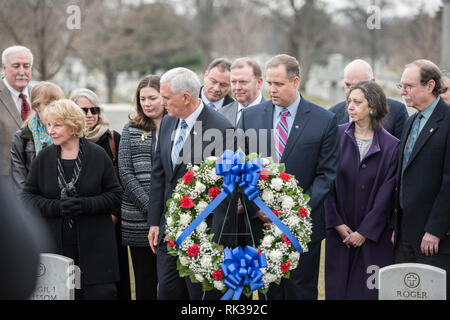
[296, 127]
[194, 133]
[431, 130]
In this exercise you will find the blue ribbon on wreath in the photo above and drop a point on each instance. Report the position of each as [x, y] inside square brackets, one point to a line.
[235, 170]
[241, 268]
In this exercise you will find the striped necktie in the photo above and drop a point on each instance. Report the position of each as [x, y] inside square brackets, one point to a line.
[211, 105]
[281, 134]
[179, 143]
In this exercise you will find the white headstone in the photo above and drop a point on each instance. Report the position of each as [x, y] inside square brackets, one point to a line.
[55, 278]
[412, 281]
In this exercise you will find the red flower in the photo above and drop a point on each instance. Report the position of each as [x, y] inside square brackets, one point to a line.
[213, 192]
[188, 176]
[285, 267]
[303, 213]
[186, 202]
[193, 251]
[218, 275]
[286, 240]
[277, 212]
[285, 176]
[264, 174]
[171, 243]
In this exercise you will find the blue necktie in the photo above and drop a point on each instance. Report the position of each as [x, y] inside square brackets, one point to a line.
[409, 146]
[211, 105]
[413, 134]
[179, 143]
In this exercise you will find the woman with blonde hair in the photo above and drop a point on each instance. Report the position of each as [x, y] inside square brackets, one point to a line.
[28, 141]
[72, 184]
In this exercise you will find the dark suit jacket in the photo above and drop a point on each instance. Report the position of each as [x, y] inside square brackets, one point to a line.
[228, 99]
[231, 110]
[311, 153]
[426, 181]
[164, 178]
[394, 121]
[10, 122]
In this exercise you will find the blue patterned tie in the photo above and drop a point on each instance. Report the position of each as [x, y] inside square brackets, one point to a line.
[211, 105]
[411, 140]
[179, 143]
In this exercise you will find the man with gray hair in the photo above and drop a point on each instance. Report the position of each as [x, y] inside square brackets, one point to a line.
[446, 80]
[17, 63]
[180, 141]
[359, 70]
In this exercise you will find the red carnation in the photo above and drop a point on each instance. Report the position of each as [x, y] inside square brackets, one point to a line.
[193, 251]
[286, 240]
[264, 174]
[285, 176]
[303, 213]
[171, 243]
[186, 202]
[285, 267]
[218, 275]
[276, 212]
[188, 176]
[213, 192]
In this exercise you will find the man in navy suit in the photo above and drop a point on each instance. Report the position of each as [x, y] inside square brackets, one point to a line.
[180, 142]
[214, 92]
[310, 152]
[422, 217]
[357, 71]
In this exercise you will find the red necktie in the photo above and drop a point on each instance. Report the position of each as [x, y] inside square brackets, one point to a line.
[25, 110]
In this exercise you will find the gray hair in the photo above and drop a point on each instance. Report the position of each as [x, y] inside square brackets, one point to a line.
[93, 98]
[359, 63]
[182, 79]
[14, 49]
[446, 73]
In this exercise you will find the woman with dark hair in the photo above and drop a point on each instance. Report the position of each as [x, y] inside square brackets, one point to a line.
[359, 205]
[98, 132]
[139, 139]
[73, 186]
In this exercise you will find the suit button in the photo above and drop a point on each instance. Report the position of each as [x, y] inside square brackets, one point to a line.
[396, 189]
[363, 166]
[395, 210]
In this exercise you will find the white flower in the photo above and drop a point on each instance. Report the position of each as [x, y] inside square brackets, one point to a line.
[199, 187]
[276, 184]
[269, 277]
[205, 261]
[293, 220]
[277, 231]
[195, 168]
[219, 285]
[202, 227]
[184, 261]
[287, 203]
[211, 159]
[294, 256]
[185, 219]
[267, 241]
[177, 196]
[199, 277]
[169, 221]
[265, 161]
[201, 206]
[276, 255]
[267, 196]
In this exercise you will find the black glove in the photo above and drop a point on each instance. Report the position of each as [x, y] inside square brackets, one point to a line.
[71, 207]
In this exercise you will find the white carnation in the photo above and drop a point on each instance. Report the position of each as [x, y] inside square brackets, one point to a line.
[219, 285]
[267, 196]
[205, 261]
[276, 255]
[294, 220]
[202, 227]
[294, 256]
[184, 261]
[177, 196]
[199, 187]
[199, 277]
[201, 206]
[185, 219]
[287, 203]
[277, 231]
[265, 161]
[269, 278]
[276, 184]
[267, 241]
[211, 159]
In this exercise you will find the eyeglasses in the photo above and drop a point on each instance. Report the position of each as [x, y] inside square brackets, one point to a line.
[94, 110]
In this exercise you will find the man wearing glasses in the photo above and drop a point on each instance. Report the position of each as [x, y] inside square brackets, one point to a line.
[422, 215]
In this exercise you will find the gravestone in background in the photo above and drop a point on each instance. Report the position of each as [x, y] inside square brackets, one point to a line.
[55, 279]
[412, 281]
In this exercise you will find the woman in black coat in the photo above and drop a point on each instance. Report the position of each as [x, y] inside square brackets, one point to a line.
[73, 185]
[99, 133]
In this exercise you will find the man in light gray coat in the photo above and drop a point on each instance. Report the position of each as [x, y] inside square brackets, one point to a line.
[17, 63]
[246, 82]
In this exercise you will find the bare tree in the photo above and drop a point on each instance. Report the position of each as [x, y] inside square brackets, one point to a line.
[43, 27]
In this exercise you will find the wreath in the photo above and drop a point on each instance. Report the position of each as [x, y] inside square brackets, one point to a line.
[239, 270]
